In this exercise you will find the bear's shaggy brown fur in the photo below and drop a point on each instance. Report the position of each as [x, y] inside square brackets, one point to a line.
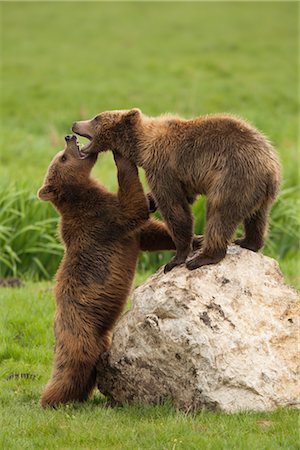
[220, 156]
[103, 233]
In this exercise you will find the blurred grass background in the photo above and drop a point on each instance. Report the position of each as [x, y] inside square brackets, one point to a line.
[67, 61]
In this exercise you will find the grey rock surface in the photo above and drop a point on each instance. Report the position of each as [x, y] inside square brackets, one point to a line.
[224, 337]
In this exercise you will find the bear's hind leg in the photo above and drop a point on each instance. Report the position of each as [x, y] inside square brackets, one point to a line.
[74, 373]
[255, 230]
[70, 383]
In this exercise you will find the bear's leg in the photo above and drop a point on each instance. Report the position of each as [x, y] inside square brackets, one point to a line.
[70, 381]
[173, 204]
[220, 226]
[74, 372]
[180, 222]
[255, 230]
[134, 206]
[197, 242]
[155, 236]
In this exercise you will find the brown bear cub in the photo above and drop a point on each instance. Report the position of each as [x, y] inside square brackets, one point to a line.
[103, 233]
[220, 156]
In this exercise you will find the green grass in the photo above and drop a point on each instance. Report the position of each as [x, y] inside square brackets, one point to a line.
[66, 61]
[27, 347]
[30, 246]
[63, 61]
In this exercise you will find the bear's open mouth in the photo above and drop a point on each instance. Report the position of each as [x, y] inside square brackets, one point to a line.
[84, 129]
[81, 154]
[84, 149]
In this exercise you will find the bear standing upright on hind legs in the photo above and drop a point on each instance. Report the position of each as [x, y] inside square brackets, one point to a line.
[103, 234]
[220, 156]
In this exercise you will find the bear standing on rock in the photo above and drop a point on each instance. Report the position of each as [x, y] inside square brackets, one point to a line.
[220, 156]
[103, 234]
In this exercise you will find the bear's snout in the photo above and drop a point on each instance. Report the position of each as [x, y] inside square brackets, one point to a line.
[70, 137]
[84, 128]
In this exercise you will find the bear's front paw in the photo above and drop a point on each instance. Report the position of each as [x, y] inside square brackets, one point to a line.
[204, 260]
[173, 263]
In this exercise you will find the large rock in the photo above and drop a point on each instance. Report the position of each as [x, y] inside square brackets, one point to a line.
[223, 337]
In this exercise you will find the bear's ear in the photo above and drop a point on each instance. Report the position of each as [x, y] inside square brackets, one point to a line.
[46, 193]
[133, 114]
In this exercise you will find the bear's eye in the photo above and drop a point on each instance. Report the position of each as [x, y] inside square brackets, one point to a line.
[63, 158]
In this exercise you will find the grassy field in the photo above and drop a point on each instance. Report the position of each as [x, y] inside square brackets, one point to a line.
[27, 347]
[66, 61]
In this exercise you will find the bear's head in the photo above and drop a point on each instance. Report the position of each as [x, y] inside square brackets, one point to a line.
[108, 130]
[70, 167]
